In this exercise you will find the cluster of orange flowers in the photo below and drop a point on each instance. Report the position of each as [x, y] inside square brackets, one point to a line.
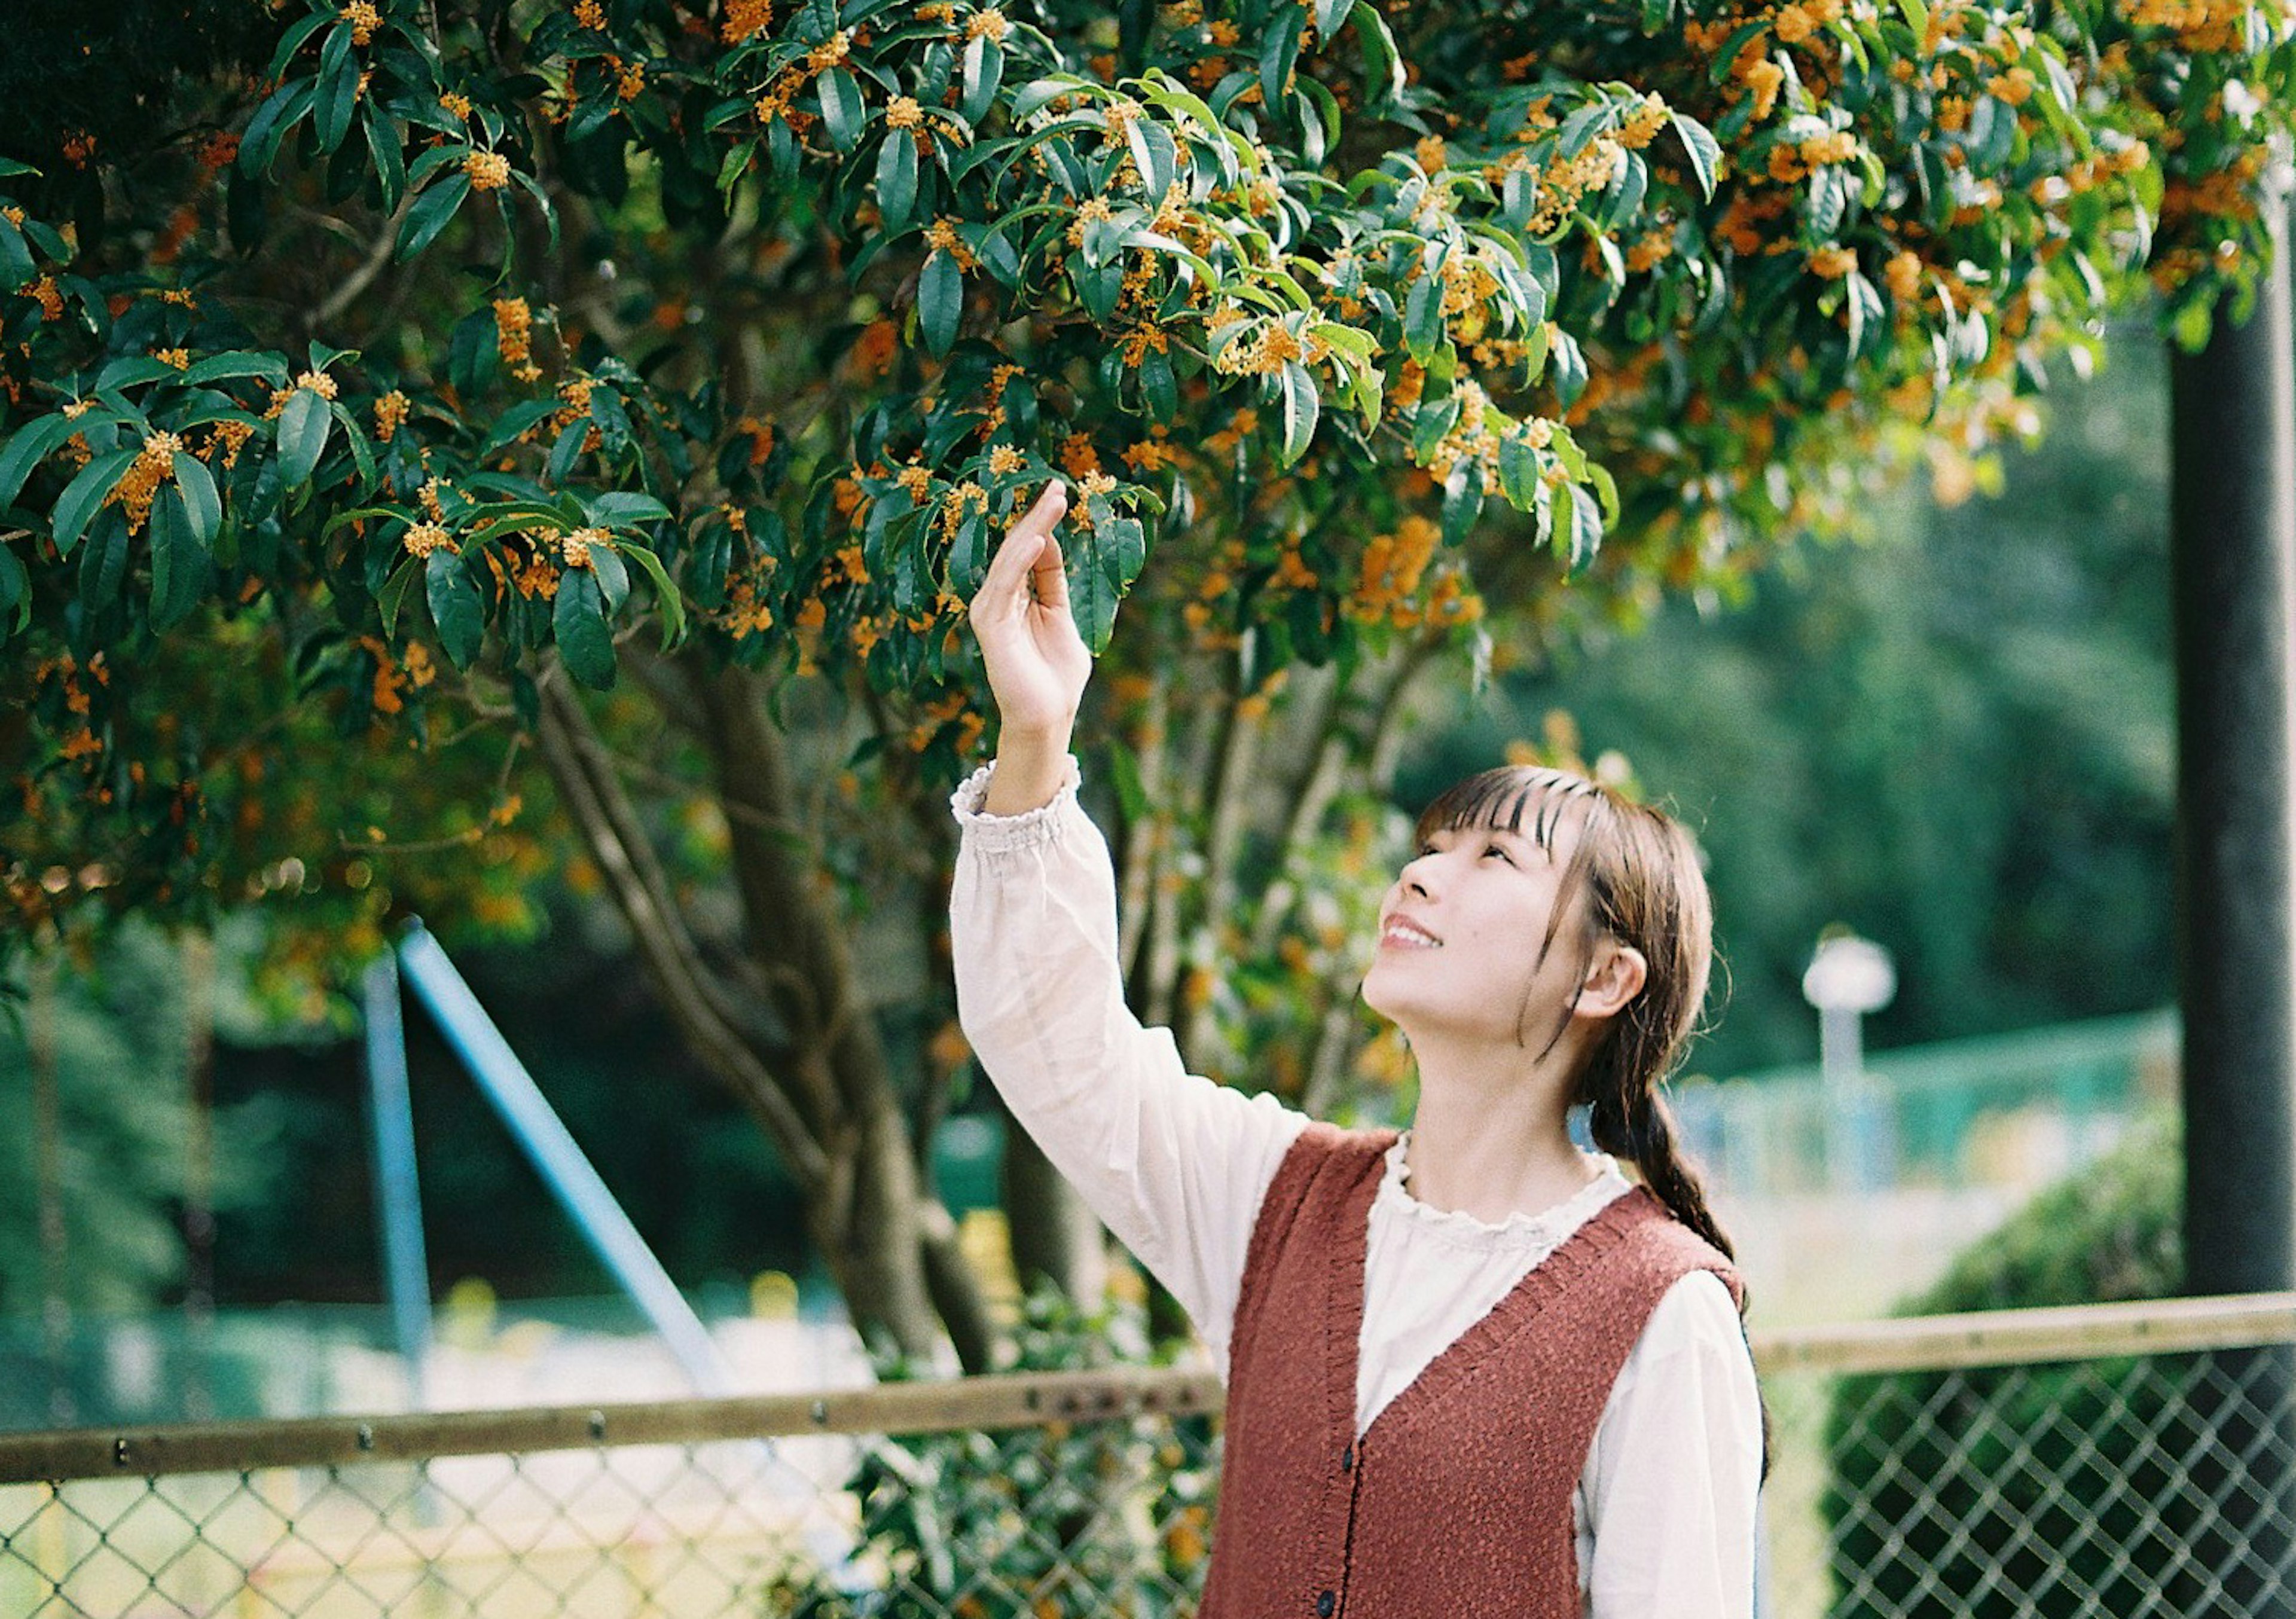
[318, 381]
[423, 538]
[1394, 568]
[139, 486]
[364, 19]
[574, 547]
[2200, 25]
[938, 715]
[775, 104]
[389, 415]
[941, 236]
[574, 396]
[744, 17]
[489, 171]
[224, 441]
[514, 337]
[1268, 352]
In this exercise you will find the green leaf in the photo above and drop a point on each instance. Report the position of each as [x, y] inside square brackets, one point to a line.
[15, 587]
[1154, 155]
[127, 370]
[1301, 406]
[16, 265]
[1330, 15]
[103, 563]
[302, 436]
[338, 94]
[84, 494]
[1705, 152]
[673, 608]
[1383, 75]
[1279, 54]
[613, 578]
[1518, 470]
[259, 145]
[624, 509]
[392, 598]
[179, 561]
[984, 71]
[1423, 316]
[1585, 528]
[897, 179]
[237, 363]
[940, 300]
[585, 643]
[840, 108]
[31, 446]
[1580, 128]
[201, 504]
[295, 38]
[1570, 368]
[382, 145]
[1091, 598]
[968, 555]
[431, 213]
[1463, 499]
[456, 607]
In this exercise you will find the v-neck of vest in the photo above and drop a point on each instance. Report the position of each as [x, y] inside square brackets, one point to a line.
[1458, 1359]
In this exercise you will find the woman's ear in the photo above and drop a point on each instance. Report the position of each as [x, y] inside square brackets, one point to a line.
[1614, 979]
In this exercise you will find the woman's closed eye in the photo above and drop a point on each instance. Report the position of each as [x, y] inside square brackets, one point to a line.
[1499, 850]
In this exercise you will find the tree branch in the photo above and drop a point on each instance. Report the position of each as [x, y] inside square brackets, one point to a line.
[664, 944]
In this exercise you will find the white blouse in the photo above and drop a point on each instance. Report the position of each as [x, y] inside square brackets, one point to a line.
[1177, 1166]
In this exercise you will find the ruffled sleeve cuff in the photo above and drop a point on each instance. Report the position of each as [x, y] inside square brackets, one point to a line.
[1030, 831]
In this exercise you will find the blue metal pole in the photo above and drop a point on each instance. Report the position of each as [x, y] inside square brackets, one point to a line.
[560, 1161]
[398, 1194]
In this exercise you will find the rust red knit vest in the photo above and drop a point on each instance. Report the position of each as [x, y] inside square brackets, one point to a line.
[1456, 1504]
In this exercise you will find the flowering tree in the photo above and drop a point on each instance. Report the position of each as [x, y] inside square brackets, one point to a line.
[393, 388]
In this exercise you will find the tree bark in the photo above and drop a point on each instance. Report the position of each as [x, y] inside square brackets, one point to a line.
[1056, 1240]
[823, 1089]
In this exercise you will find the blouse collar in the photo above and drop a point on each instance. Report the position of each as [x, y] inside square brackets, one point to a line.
[1520, 1229]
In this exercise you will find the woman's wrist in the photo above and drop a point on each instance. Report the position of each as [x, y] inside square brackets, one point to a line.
[1031, 769]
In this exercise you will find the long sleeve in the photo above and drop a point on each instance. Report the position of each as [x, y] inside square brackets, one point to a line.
[1669, 1486]
[1174, 1163]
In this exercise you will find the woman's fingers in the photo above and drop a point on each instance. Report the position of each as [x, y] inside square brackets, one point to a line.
[1030, 560]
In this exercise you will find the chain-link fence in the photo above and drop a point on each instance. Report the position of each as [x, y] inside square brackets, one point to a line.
[2114, 1461]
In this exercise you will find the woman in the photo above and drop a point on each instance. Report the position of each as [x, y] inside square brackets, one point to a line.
[1469, 1369]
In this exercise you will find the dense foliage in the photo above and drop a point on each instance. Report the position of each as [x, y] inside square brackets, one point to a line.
[757, 325]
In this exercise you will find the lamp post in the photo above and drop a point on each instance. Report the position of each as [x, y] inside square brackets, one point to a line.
[1848, 977]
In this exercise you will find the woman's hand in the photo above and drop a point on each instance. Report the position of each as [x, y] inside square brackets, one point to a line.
[1038, 664]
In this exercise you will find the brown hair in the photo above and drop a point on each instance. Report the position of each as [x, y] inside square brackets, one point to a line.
[1639, 873]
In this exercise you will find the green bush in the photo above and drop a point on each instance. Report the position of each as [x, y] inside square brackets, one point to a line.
[1107, 1517]
[2020, 1491]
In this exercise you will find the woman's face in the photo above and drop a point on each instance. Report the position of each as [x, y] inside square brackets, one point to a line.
[1460, 936]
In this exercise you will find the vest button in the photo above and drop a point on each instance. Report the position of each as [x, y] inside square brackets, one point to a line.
[1325, 1603]
[1348, 1460]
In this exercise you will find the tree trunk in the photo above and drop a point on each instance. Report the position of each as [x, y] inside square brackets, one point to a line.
[1055, 1238]
[819, 1084]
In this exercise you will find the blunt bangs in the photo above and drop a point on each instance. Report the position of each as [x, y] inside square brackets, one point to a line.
[1498, 800]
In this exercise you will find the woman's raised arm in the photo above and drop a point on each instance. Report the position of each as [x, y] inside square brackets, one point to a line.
[1174, 1164]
